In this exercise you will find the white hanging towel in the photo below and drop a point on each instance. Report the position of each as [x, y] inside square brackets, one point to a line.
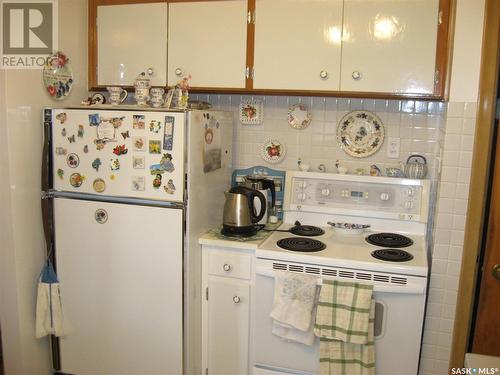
[49, 319]
[293, 311]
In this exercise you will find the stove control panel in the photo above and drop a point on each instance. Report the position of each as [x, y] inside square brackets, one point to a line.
[382, 197]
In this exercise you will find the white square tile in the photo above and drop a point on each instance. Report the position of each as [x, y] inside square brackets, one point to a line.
[452, 142]
[468, 126]
[439, 266]
[454, 125]
[457, 237]
[455, 253]
[455, 109]
[453, 269]
[464, 175]
[459, 222]
[470, 110]
[467, 142]
[460, 207]
[447, 190]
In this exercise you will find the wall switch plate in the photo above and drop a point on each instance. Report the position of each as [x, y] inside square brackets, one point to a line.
[393, 146]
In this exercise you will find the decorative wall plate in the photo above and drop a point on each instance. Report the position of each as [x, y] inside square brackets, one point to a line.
[273, 151]
[251, 112]
[58, 76]
[360, 133]
[299, 116]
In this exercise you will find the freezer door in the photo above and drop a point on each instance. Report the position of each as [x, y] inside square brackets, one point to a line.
[120, 270]
[136, 154]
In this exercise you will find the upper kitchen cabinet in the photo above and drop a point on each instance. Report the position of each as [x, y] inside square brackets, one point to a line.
[208, 40]
[298, 44]
[127, 39]
[389, 46]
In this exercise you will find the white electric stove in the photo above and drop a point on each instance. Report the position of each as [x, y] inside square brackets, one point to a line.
[391, 255]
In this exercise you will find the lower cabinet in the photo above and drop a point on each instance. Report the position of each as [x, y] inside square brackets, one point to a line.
[226, 311]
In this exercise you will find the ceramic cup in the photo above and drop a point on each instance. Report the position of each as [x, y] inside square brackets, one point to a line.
[157, 96]
[141, 96]
[117, 95]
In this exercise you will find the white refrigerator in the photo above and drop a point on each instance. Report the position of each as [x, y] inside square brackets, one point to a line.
[129, 191]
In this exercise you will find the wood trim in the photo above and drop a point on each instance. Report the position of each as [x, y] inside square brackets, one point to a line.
[92, 46]
[481, 162]
[444, 47]
[250, 44]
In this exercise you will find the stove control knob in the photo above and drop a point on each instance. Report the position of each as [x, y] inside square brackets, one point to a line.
[384, 196]
[410, 192]
[409, 205]
[325, 192]
[302, 196]
[302, 184]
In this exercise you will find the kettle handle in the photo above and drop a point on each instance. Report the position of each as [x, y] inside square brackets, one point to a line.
[417, 157]
[260, 215]
[269, 184]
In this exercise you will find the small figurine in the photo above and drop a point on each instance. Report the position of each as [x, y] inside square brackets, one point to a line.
[360, 171]
[375, 171]
[340, 169]
[322, 168]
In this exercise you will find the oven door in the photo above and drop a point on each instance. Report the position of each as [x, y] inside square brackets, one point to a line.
[398, 323]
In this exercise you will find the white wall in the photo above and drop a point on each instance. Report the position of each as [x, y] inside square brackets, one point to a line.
[21, 134]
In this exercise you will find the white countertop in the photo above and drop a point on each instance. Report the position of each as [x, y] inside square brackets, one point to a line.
[213, 238]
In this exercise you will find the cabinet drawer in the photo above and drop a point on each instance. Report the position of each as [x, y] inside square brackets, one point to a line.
[230, 264]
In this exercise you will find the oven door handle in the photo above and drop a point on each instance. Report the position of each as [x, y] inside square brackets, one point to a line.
[391, 288]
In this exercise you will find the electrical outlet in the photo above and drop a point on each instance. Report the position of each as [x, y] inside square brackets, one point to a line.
[393, 146]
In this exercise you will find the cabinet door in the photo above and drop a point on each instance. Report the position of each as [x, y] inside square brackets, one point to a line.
[228, 326]
[298, 44]
[131, 39]
[208, 41]
[389, 46]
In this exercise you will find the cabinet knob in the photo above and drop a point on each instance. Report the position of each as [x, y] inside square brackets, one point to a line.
[496, 271]
[236, 299]
[226, 267]
[150, 71]
[356, 75]
[178, 72]
[323, 74]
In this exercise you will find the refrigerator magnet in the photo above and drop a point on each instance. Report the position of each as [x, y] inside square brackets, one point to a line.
[170, 187]
[96, 164]
[120, 150]
[76, 180]
[94, 119]
[166, 163]
[80, 131]
[155, 147]
[114, 164]
[99, 144]
[139, 143]
[168, 136]
[86, 149]
[126, 134]
[138, 162]
[154, 126]
[139, 122]
[101, 216]
[63, 132]
[157, 181]
[106, 131]
[99, 185]
[112, 176]
[61, 151]
[156, 169]
[138, 183]
[60, 173]
[73, 160]
[71, 139]
[62, 117]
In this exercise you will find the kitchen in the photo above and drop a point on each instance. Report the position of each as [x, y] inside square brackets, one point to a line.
[452, 129]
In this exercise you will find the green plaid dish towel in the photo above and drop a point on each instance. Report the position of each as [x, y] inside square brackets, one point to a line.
[344, 324]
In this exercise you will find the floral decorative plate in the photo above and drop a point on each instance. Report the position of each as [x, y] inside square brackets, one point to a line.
[58, 76]
[273, 151]
[251, 112]
[299, 116]
[360, 133]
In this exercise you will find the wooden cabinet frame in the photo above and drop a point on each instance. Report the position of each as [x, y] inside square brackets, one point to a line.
[443, 57]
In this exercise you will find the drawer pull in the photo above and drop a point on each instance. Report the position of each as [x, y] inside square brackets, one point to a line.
[178, 72]
[356, 75]
[227, 267]
[323, 74]
[236, 299]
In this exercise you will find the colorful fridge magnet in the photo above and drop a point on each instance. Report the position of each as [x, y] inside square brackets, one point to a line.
[61, 151]
[166, 163]
[120, 150]
[101, 216]
[114, 164]
[71, 139]
[62, 117]
[86, 149]
[99, 144]
[139, 143]
[154, 126]
[112, 177]
[156, 169]
[126, 134]
[58, 76]
[117, 121]
[168, 136]
[139, 122]
[60, 173]
[80, 131]
[251, 112]
[94, 119]
[99, 185]
[157, 181]
[138, 183]
[155, 147]
[73, 160]
[138, 162]
[96, 164]
[106, 131]
[63, 132]
[76, 180]
[169, 187]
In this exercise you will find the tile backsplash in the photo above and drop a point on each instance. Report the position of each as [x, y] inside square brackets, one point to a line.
[418, 124]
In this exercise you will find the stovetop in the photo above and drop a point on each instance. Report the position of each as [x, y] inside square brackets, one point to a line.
[348, 251]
